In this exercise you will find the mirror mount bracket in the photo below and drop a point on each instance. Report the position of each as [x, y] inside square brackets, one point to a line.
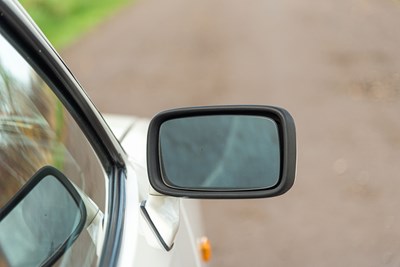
[162, 215]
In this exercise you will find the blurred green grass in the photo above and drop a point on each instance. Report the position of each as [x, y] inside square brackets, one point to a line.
[64, 21]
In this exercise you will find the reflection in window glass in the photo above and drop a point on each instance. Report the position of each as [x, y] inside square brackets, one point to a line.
[36, 130]
[32, 243]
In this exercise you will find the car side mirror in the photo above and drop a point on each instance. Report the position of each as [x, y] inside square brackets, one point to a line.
[222, 152]
[41, 221]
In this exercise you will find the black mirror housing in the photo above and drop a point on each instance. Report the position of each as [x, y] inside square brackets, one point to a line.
[222, 152]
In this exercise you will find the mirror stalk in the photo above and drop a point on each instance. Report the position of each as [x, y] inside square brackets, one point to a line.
[162, 215]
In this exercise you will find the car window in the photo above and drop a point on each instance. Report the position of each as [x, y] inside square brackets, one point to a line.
[36, 130]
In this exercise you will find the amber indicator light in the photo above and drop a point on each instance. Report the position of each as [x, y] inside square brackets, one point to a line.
[205, 249]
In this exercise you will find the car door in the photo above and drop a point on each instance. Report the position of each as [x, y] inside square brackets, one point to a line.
[46, 121]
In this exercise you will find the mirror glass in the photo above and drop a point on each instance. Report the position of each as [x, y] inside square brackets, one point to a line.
[220, 152]
[38, 225]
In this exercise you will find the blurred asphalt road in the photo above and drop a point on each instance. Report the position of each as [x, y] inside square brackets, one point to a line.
[335, 65]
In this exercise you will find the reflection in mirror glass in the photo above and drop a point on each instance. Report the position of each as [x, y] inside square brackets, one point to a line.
[39, 224]
[221, 152]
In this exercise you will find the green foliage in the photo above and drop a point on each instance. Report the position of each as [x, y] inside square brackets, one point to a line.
[64, 21]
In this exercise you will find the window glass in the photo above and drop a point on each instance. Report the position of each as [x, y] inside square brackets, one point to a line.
[46, 200]
[36, 130]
